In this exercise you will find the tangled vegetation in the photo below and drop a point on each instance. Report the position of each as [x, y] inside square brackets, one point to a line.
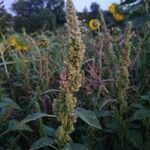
[84, 85]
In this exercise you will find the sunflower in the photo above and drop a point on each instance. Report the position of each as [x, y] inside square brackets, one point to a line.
[12, 41]
[112, 8]
[18, 44]
[94, 24]
[117, 15]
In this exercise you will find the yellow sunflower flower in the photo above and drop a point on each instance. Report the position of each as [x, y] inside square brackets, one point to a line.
[94, 24]
[118, 16]
[112, 8]
[18, 44]
[12, 41]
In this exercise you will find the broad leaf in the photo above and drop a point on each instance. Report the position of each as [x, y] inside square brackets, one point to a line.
[89, 117]
[75, 146]
[35, 116]
[104, 113]
[137, 106]
[49, 131]
[141, 114]
[42, 142]
[114, 125]
[9, 103]
[15, 125]
[135, 138]
[145, 98]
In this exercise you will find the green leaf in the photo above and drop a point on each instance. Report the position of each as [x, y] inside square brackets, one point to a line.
[75, 146]
[9, 103]
[141, 114]
[145, 98]
[49, 131]
[137, 106]
[35, 116]
[146, 145]
[15, 125]
[89, 117]
[104, 113]
[135, 138]
[42, 142]
[114, 125]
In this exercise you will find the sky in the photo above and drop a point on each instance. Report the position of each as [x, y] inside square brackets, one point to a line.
[79, 4]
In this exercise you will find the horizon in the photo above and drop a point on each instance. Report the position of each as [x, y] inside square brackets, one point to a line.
[79, 5]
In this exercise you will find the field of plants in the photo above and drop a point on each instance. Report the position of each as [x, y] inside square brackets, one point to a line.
[82, 85]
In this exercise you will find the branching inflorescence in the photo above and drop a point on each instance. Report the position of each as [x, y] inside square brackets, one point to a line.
[123, 73]
[70, 78]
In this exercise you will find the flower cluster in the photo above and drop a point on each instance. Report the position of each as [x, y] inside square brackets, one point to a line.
[63, 79]
[42, 43]
[94, 24]
[70, 79]
[117, 15]
[18, 44]
[123, 73]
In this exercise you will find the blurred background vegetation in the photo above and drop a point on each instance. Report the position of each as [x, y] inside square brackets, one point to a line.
[34, 15]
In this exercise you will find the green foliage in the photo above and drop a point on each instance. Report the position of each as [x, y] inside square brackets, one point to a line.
[9, 103]
[5, 18]
[57, 7]
[141, 114]
[34, 116]
[41, 143]
[135, 138]
[44, 19]
[27, 7]
[34, 15]
[89, 117]
[15, 125]
[29, 80]
[49, 131]
[75, 146]
[95, 7]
